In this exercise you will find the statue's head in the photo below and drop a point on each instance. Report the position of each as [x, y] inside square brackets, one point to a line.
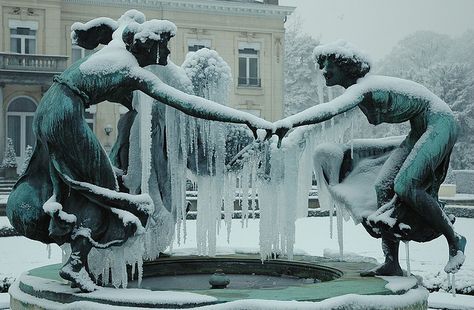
[94, 32]
[148, 42]
[341, 63]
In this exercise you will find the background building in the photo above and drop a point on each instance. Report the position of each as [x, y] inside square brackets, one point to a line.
[35, 44]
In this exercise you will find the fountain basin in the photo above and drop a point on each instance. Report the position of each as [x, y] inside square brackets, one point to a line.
[182, 282]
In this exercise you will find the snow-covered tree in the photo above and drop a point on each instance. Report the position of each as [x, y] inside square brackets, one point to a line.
[445, 66]
[9, 159]
[301, 76]
[28, 153]
[415, 53]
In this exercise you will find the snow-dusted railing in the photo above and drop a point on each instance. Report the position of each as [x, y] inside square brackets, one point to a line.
[29, 62]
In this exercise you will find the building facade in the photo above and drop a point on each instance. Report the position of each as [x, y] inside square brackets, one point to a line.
[35, 45]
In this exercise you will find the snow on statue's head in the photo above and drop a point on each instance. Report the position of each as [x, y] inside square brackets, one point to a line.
[350, 59]
[94, 32]
[100, 30]
[132, 15]
[148, 41]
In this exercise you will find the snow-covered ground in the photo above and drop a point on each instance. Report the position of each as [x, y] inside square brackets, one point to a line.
[18, 254]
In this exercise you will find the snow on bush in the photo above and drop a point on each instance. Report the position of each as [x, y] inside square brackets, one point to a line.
[28, 153]
[210, 74]
[9, 159]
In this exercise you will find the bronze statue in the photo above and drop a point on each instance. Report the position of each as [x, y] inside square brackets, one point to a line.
[411, 172]
[69, 193]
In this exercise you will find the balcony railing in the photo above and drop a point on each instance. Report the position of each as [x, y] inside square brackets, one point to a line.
[35, 63]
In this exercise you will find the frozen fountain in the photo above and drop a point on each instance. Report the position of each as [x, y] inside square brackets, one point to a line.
[227, 164]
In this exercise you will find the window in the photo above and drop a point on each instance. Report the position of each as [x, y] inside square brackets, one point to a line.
[194, 44]
[89, 115]
[23, 36]
[249, 72]
[20, 113]
[79, 52]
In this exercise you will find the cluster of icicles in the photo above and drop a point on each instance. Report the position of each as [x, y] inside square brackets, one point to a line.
[263, 171]
[271, 184]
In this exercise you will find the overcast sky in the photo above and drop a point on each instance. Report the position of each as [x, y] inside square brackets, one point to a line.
[375, 26]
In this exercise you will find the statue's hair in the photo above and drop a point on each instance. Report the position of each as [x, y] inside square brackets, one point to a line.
[352, 60]
[95, 32]
[354, 67]
[139, 38]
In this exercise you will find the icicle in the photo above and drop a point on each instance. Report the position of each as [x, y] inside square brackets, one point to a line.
[407, 251]
[352, 138]
[133, 270]
[145, 143]
[244, 204]
[140, 273]
[48, 250]
[331, 225]
[330, 94]
[453, 282]
[253, 181]
[448, 279]
[229, 198]
[340, 231]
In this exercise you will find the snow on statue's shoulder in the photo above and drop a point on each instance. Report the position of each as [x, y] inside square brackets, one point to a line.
[112, 58]
[132, 15]
[410, 89]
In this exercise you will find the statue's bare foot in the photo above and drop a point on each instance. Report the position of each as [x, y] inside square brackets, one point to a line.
[456, 255]
[75, 272]
[386, 269]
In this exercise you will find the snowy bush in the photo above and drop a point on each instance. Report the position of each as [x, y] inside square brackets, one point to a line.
[28, 153]
[9, 159]
[439, 282]
[464, 181]
[5, 284]
[210, 74]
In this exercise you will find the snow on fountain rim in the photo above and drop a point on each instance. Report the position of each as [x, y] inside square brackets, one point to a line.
[104, 294]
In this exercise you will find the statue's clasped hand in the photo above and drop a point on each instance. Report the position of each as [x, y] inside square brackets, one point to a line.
[254, 129]
[281, 130]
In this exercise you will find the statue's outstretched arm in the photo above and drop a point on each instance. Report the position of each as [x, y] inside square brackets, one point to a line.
[193, 105]
[321, 112]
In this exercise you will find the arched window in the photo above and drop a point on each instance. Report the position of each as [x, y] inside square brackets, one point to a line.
[20, 114]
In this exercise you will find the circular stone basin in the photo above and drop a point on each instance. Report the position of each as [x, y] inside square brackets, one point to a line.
[183, 282]
[193, 273]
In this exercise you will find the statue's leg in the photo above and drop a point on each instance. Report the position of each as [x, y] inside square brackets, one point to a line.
[385, 179]
[391, 266]
[75, 269]
[417, 174]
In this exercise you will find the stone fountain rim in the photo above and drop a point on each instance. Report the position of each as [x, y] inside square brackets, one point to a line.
[348, 283]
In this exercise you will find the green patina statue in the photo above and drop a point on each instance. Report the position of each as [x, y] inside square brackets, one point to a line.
[69, 192]
[408, 174]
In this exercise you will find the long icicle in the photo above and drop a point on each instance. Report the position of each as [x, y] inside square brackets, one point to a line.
[407, 252]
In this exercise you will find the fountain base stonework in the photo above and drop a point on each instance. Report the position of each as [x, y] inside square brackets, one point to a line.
[182, 282]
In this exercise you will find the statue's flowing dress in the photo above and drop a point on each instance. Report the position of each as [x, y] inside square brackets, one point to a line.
[69, 162]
